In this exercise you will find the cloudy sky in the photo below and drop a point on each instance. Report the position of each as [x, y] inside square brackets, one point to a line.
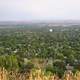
[24, 10]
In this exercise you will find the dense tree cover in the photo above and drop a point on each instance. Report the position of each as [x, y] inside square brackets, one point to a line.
[19, 47]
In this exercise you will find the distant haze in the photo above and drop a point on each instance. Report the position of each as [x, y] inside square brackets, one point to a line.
[29, 10]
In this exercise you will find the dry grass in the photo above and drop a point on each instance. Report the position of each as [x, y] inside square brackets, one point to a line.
[36, 75]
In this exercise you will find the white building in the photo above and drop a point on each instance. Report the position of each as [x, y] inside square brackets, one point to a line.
[51, 30]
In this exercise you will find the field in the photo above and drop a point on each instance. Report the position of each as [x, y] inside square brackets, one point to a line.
[33, 51]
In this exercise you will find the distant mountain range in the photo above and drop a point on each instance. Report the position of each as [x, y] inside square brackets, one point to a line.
[56, 22]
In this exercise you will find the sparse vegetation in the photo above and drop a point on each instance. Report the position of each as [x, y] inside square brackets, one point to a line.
[36, 74]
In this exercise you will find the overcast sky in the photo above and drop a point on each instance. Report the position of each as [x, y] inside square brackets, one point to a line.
[24, 10]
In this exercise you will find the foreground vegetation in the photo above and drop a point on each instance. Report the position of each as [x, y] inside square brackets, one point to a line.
[36, 74]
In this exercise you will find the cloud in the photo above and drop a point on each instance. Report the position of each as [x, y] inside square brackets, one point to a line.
[39, 9]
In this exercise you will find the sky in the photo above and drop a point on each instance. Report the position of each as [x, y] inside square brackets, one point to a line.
[26, 10]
